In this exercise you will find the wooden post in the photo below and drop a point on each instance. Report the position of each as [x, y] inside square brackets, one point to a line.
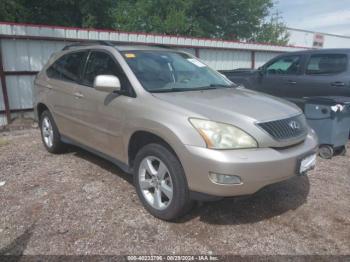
[253, 59]
[196, 50]
[4, 88]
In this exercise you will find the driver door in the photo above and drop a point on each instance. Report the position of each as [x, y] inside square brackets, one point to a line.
[102, 113]
[280, 77]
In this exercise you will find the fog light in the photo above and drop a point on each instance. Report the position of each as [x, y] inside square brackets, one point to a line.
[224, 179]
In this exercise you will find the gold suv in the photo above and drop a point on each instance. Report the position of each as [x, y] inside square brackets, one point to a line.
[182, 129]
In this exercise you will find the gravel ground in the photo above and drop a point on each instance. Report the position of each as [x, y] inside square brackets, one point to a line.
[77, 203]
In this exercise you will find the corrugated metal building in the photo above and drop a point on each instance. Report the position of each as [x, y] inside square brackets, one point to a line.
[25, 48]
[310, 38]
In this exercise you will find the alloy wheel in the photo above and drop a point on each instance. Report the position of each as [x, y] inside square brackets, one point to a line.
[47, 131]
[155, 182]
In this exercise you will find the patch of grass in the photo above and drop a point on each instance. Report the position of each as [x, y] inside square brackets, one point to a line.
[3, 142]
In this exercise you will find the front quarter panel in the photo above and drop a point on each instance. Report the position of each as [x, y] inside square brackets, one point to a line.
[162, 119]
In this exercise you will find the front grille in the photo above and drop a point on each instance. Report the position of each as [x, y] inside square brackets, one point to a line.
[288, 128]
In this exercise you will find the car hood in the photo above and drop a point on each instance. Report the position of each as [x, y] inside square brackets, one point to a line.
[231, 104]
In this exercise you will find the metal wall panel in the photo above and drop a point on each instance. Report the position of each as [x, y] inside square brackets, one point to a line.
[262, 57]
[20, 91]
[3, 120]
[306, 38]
[28, 55]
[226, 59]
[74, 33]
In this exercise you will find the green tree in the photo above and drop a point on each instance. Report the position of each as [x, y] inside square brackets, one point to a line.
[228, 19]
[247, 20]
[156, 16]
[81, 13]
[10, 10]
[274, 30]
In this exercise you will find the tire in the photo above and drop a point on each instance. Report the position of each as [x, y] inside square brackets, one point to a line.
[326, 151]
[343, 151]
[49, 134]
[158, 170]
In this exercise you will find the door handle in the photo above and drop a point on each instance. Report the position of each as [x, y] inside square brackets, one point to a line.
[78, 95]
[291, 82]
[337, 84]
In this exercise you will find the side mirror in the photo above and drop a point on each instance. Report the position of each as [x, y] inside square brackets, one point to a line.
[107, 83]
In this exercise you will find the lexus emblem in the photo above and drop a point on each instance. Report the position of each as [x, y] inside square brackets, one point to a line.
[294, 125]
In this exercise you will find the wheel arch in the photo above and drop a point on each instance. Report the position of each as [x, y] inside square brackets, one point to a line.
[40, 108]
[141, 138]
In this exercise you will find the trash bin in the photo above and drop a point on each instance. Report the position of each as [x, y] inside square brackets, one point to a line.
[330, 118]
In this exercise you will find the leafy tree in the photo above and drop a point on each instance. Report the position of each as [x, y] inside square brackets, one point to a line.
[247, 20]
[230, 18]
[80, 13]
[227, 19]
[10, 10]
[157, 16]
[274, 30]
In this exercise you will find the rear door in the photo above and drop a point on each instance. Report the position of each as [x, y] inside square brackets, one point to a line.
[63, 77]
[326, 74]
[281, 76]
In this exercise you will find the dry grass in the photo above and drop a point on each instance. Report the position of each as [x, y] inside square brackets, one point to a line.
[3, 141]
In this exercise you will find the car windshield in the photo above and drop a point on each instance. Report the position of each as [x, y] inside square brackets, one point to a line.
[170, 71]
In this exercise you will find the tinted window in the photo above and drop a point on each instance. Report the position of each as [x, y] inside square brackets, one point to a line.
[101, 63]
[326, 64]
[285, 66]
[68, 67]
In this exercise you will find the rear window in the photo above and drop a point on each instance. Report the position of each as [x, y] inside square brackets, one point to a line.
[68, 67]
[326, 64]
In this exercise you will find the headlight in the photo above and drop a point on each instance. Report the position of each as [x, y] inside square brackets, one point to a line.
[223, 136]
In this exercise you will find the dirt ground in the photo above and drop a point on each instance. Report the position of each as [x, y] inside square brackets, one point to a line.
[77, 203]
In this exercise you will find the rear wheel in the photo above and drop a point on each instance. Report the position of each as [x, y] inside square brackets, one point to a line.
[343, 151]
[161, 183]
[49, 133]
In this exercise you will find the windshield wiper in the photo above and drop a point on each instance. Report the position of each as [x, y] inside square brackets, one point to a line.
[221, 85]
[199, 88]
[181, 89]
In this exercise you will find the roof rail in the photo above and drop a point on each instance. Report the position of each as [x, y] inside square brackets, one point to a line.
[87, 43]
[163, 46]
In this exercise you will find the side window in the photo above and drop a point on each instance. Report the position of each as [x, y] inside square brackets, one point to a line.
[289, 65]
[101, 63]
[326, 64]
[68, 67]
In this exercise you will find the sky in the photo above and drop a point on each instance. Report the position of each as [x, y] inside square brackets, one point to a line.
[325, 16]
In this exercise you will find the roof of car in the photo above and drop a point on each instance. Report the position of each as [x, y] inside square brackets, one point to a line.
[321, 51]
[140, 47]
[125, 47]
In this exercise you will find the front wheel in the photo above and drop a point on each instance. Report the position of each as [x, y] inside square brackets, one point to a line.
[161, 183]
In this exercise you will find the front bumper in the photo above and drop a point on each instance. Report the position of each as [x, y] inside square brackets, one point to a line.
[256, 167]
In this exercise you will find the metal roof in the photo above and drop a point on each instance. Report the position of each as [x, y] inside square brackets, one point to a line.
[79, 34]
